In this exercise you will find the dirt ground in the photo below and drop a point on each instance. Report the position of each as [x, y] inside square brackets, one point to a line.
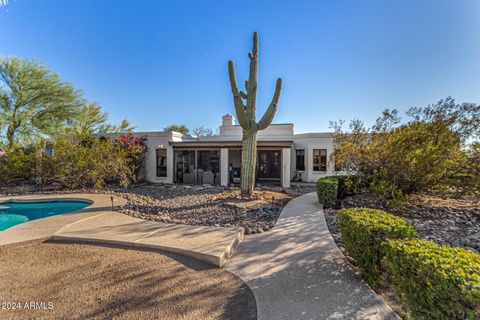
[80, 281]
[261, 198]
[433, 201]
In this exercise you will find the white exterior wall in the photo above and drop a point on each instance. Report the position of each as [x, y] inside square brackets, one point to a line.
[228, 132]
[159, 140]
[224, 167]
[274, 132]
[286, 167]
[309, 142]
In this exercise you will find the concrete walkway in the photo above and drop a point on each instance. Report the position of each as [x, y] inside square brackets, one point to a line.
[210, 244]
[296, 271]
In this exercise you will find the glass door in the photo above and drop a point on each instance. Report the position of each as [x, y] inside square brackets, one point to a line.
[208, 167]
[185, 167]
[269, 162]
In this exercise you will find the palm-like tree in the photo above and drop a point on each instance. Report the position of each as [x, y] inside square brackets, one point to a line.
[34, 101]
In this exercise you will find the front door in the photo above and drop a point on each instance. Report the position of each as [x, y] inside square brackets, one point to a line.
[268, 164]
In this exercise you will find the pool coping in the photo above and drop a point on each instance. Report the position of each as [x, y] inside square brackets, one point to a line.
[48, 226]
[49, 200]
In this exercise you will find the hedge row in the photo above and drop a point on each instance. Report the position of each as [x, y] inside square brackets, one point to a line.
[332, 189]
[363, 232]
[327, 191]
[435, 282]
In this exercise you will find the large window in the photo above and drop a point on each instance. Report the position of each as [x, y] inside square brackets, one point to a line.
[161, 162]
[300, 160]
[320, 160]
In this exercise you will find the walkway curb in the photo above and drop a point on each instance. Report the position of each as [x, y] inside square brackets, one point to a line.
[209, 244]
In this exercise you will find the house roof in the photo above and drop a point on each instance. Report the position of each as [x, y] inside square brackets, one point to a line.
[226, 144]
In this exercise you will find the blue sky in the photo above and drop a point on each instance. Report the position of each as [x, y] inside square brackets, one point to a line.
[162, 62]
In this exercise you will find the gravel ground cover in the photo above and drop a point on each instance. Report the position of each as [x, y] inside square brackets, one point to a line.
[197, 205]
[444, 221]
[80, 281]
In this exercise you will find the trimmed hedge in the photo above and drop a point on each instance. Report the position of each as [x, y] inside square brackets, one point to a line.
[331, 189]
[437, 282]
[327, 191]
[363, 232]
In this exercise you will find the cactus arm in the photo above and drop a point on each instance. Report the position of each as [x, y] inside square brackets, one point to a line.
[237, 100]
[272, 108]
[255, 44]
[252, 82]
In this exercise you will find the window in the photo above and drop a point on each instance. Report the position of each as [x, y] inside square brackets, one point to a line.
[300, 157]
[161, 162]
[320, 160]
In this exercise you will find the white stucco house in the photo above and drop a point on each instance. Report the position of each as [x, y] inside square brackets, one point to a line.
[283, 156]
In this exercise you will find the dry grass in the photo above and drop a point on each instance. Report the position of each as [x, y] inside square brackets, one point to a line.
[435, 201]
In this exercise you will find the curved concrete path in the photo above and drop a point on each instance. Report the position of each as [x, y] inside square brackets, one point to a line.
[296, 270]
[210, 244]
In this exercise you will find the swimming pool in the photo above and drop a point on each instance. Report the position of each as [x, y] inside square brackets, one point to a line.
[14, 212]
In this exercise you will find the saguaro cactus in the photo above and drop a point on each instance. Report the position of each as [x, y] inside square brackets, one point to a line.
[246, 115]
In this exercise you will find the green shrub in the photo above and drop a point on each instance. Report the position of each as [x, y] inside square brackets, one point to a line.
[93, 163]
[364, 230]
[327, 191]
[90, 163]
[429, 152]
[332, 189]
[348, 186]
[436, 282]
[17, 165]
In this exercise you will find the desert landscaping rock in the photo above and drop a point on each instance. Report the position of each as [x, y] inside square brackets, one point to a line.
[449, 222]
[195, 206]
[191, 205]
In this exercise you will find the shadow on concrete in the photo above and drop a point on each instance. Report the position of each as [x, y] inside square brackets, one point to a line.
[296, 271]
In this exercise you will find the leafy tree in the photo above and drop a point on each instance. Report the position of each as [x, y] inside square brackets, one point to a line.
[428, 153]
[464, 119]
[92, 120]
[177, 128]
[34, 102]
[469, 179]
[203, 131]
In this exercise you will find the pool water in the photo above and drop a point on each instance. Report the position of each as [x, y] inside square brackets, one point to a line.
[13, 213]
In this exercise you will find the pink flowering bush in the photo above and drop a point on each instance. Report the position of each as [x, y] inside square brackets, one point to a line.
[93, 162]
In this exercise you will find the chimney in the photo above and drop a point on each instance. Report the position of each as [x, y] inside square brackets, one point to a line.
[228, 120]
